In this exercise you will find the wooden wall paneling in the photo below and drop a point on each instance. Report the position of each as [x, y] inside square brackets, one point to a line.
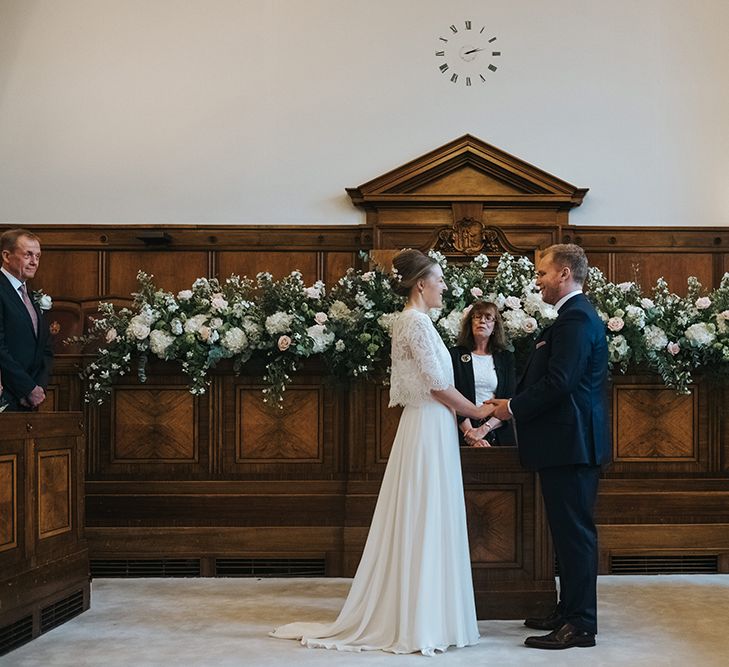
[336, 265]
[655, 429]
[302, 440]
[41, 488]
[152, 430]
[675, 268]
[277, 263]
[55, 511]
[172, 270]
[600, 260]
[68, 274]
[8, 501]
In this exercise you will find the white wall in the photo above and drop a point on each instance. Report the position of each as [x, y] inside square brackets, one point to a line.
[263, 111]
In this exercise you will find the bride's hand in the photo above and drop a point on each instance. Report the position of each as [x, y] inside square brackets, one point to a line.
[486, 410]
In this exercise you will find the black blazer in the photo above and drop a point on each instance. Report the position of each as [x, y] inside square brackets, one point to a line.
[560, 406]
[506, 384]
[25, 360]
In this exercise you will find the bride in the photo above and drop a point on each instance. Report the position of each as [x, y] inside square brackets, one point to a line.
[413, 589]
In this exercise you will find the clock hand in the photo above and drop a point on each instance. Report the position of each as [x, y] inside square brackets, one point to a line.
[465, 53]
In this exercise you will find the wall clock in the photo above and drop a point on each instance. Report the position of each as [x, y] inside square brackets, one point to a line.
[467, 53]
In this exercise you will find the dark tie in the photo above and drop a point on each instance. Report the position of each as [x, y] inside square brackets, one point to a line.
[29, 306]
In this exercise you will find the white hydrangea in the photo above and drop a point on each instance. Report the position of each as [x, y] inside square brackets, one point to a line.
[655, 337]
[387, 320]
[635, 315]
[321, 337]
[700, 334]
[451, 324]
[176, 327]
[279, 323]
[514, 320]
[339, 346]
[235, 340]
[159, 341]
[194, 323]
[250, 326]
[339, 311]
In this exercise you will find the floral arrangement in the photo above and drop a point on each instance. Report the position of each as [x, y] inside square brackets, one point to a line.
[284, 321]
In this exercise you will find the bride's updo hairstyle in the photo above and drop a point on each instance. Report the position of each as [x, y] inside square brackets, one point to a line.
[409, 266]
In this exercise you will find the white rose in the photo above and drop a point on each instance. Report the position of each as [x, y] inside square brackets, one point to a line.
[111, 335]
[184, 295]
[529, 325]
[138, 328]
[512, 302]
[218, 302]
[45, 302]
[703, 302]
[647, 303]
[321, 318]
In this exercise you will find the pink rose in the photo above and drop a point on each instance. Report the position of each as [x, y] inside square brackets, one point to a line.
[320, 318]
[111, 335]
[703, 302]
[615, 324]
[476, 291]
[724, 315]
[673, 348]
[284, 342]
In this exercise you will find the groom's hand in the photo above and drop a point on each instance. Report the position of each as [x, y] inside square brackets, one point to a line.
[501, 410]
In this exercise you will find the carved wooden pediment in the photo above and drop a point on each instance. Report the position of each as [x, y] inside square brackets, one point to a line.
[469, 236]
[468, 169]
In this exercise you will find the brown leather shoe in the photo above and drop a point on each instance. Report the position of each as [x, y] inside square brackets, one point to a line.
[551, 622]
[565, 637]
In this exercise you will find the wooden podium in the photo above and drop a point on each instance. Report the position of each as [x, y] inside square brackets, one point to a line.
[44, 563]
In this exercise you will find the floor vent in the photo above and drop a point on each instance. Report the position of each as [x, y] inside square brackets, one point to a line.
[16, 634]
[61, 611]
[270, 567]
[161, 567]
[680, 564]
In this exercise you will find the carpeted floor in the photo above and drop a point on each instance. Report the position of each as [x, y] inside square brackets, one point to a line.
[657, 621]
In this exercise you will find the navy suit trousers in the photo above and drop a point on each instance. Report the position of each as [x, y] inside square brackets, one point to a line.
[569, 494]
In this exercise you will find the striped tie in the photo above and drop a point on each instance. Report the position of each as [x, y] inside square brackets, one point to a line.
[29, 306]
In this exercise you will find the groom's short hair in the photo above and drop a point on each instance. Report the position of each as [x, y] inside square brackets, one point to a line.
[571, 256]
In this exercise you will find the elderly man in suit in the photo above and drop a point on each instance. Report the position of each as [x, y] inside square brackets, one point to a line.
[560, 418]
[25, 345]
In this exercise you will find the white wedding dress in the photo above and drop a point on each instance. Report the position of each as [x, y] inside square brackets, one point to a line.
[413, 589]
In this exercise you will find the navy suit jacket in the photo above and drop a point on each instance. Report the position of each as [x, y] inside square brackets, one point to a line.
[560, 406]
[465, 383]
[25, 360]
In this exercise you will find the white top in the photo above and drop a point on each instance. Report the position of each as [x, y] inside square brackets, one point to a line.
[484, 377]
[420, 360]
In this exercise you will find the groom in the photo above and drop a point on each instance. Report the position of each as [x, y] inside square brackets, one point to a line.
[560, 419]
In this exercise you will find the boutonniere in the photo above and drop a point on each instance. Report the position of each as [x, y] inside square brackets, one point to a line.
[43, 300]
[465, 358]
